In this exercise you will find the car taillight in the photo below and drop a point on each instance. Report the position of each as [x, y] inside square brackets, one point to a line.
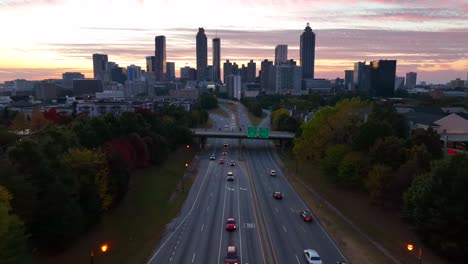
[234, 226]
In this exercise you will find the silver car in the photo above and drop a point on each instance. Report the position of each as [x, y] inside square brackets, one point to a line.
[312, 256]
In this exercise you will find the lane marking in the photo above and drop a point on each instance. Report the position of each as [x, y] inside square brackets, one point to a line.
[202, 227]
[284, 229]
[276, 210]
[303, 229]
[292, 211]
[183, 220]
[222, 222]
[193, 258]
[298, 260]
[240, 231]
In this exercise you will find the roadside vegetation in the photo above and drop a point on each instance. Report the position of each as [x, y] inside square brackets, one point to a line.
[59, 181]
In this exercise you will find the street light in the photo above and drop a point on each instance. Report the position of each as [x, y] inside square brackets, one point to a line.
[187, 146]
[104, 248]
[411, 247]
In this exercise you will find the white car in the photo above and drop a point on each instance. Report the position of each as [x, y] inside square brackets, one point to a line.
[212, 157]
[230, 176]
[312, 256]
[272, 173]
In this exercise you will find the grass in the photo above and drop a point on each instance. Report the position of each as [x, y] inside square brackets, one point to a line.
[231, 106]
[383, 226]
[219, 111]
[133, 229]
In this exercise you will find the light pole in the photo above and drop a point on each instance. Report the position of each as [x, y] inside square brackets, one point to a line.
[411, 247]
[104, 248]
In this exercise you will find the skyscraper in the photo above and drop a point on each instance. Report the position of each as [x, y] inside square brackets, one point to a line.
[399, 83]
[170, 71]
[160, 61]
[202, 55]
[265, 64]
[411, 80]
[150, 61]
[281, 54]
[349, 76]
[216, 60]
[100, 67]
[382, 78]
[227, 69]
[251, 71]
[307, 53]
[361, 79]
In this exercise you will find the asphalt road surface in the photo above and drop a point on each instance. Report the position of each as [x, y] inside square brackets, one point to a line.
[268, 230]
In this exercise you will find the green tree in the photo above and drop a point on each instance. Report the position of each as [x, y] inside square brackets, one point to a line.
[331, 161]
[278, 117]
[435, 205]
[388, 151]
[370, 132]
[376, 180]
[208, 101]
[14, 243]
[430, 139]
[352, 168]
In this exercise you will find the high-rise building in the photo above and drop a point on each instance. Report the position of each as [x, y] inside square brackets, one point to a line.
[233, 86]
[281, 54]
[382, 78]
[100, 67]
[288, 79]
[202, 55]
[251, 71]
[399, 83]
[118, 74]
[349, 76]
[307, 52]
[160, 69]
[361, 79]
[264, 66]
[133, 73]
[243, 73]
[209, 73]
[68, 78]
[216, 60]
[188, 74]
[170, 71]
[411, 80]
[235, 69]
[150, 63]
[227, 69]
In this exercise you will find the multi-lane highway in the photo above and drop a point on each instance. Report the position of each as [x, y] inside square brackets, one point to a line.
[269, 230]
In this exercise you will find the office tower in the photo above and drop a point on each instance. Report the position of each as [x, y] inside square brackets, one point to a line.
[209, 73]
[235, 69]
[150, 61]
[382, 78]
[160, 69]
[133, 73]
[361, 79]
[411, 80]
[281, 54]
[68, 78]
[349, 76]
[251, 71]
[233, 86]
[87, 87]
[288, 79]
[399, 83]
[100, 67]
[170, 71]
[188, 74]
[243, 73]
[307, 52]
[216, 60]
[202, 55]
[118, 74]
[264, 65]
[227, 69]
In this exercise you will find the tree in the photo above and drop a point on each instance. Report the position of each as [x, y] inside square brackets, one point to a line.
[38, 121]
[19, 123]
[388, 151]
[352, 168]
[208, 101]
[430, 139]
[278, 117]
[435, 205]
[376, 180]
[331, 161]
[141, 151]
[14, 243]
[370, 132]
[52, 115]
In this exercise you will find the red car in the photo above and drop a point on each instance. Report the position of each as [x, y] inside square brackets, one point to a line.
[231, 224]
[226, 144]
[307, 216]
[224, 153]
[221, 161]
[278, 195]
[231, 257]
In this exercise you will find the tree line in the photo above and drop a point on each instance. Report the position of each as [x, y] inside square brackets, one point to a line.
[57, 182]
[368, 147]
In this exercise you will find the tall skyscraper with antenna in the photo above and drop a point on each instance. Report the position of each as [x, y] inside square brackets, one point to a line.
[307, 53]
[160, 60]
[216, 60]
[202, 55]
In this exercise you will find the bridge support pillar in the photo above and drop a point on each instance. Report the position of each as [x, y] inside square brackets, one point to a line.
[202, 142]
[282, 145]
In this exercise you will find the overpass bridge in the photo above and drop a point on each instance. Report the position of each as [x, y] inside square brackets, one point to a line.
[203, 134]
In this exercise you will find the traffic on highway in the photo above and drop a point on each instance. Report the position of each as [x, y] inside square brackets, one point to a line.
[241, 209]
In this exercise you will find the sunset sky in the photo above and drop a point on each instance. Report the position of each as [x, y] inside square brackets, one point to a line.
[44, 38]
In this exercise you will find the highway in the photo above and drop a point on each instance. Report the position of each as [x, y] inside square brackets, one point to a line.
[269, 230]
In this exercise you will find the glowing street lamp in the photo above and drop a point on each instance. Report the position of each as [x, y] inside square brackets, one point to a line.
[104, 248]
[410, 247]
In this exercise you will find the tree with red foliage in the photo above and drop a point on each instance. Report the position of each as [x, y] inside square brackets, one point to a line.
[123, 147]
[52, 115]
[141, 149]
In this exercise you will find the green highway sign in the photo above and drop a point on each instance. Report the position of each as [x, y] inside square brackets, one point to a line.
[264, 132]
[252, 132]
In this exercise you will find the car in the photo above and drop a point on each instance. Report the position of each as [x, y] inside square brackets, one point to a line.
[307, 216]
[231, 224]
[224, 153]
[272, 173]
[221, 161]
[231, 257]
[232, 163]
[226, 144]
[230, 176]
[212, 157]
[226, 126]
[312, 257]
[278, 195]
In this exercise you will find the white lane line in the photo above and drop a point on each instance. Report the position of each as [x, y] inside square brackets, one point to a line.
[298, 260]
[276, 210]
[202, 227]
[183, 220]
[292, 211]
[170, 259]
[240, 231]
[303, 229]
[284, 229]
[208, 208]
[305, 206]
[193, 258]
[222, 221]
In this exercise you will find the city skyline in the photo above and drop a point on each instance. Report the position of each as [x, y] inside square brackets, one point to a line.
[428, 38]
